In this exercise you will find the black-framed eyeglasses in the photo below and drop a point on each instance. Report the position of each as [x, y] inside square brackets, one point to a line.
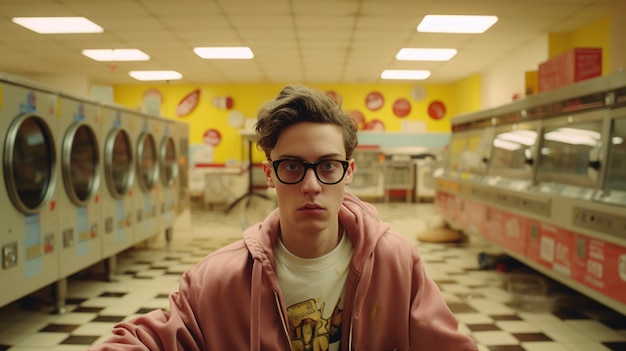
[290, 171]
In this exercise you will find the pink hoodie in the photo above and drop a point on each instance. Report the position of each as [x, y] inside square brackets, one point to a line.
[231, 300]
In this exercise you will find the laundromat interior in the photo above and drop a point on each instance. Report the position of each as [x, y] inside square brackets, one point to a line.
[504, 163]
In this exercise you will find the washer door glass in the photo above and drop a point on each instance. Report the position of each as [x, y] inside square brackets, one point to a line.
[29, 161]
[118, 164]
[169, 162]
[147, 163]
[80, 163]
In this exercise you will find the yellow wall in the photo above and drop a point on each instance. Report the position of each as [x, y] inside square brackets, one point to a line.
[595, 34]
[466, 95]
[459, 98]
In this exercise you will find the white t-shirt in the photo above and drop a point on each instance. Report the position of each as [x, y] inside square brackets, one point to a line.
[313, 290]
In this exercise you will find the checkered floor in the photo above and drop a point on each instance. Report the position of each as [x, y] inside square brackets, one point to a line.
[484, 306]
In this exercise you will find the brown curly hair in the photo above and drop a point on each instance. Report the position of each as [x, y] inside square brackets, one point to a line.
[296, 104]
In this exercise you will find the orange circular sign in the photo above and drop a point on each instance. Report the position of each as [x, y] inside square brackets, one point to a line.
[436, 110]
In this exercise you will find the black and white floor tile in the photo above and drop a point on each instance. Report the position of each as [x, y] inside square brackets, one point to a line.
[562, 320]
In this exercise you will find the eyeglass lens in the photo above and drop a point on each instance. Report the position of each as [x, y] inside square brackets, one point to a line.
[293, 171]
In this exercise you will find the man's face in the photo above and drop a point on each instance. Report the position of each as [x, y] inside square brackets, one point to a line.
[309, 206]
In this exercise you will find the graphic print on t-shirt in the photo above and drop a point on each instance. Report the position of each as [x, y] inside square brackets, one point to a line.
[309, 330]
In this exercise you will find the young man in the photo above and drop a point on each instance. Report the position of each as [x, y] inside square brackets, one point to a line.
[321, 272]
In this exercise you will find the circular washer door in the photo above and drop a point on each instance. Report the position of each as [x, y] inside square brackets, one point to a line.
[147, 162]
[118, 163]
[80, 161]
[169, 162]
[29, 163]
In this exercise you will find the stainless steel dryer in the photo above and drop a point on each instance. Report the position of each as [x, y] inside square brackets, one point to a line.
[29, 232]
[147, 186]
[118, 174]
[80, 221]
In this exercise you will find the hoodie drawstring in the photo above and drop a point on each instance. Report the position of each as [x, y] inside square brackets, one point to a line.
[255, 306]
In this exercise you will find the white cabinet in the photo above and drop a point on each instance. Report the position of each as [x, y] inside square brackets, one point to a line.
[399, 174]
[368, 181]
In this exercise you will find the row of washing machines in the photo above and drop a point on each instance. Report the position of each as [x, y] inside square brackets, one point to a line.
[544, 178]
[82, 181]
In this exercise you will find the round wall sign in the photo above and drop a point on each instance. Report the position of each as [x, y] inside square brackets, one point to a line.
[236, 119]
[333, 95]
[401, 107]
[374, 101]
[376, 125]
[358, 117]
[212, 137]
[418, 93]
[436, 110]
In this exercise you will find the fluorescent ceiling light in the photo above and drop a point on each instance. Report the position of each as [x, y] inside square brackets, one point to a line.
[155, 75]
[58, 25]
[410, 54]
[405, 74]
[235, 52]
[456, 24]
[110, 55]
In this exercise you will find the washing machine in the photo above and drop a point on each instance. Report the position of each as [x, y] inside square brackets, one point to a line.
[29, 231]
[118, 177]
[147, 187]
[181, 135]
[80, 221]
[168, 155]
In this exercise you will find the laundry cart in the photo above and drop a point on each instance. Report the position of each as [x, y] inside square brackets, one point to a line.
[399, 174]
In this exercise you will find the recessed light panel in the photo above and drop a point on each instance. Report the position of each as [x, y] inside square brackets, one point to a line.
[456, 24]
[235, 52]
[405, 74]
[155, 75]
[58, 25]
[109, 55]
[414, 54]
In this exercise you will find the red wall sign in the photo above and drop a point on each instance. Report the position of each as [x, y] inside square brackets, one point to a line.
[436, 110]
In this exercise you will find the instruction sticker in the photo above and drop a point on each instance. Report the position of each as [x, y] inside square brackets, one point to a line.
[33, 258]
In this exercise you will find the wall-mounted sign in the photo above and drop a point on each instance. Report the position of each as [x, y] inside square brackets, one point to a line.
[333, 95]
[418, 93]
[152, 101]
[401, 107]
[376, 125]
[374, 101]
[358, 117]
[212, 137]
[236, 119]
[223, 102]
[188, 103]
[436, 110]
